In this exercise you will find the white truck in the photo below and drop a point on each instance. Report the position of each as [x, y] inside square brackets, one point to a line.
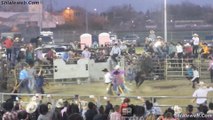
[46, 37]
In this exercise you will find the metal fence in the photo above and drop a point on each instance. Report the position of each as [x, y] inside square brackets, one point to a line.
[101, 100]
[176, 68]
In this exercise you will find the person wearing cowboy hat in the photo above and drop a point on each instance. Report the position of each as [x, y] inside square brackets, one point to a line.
[108, 80]
[57, 111]
[201, 93]
[195, 42]
[115, 52]
[31, 109]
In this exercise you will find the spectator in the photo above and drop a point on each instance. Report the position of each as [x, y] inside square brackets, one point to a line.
[152, 35]
[188, 50]
[210, 68]
[210, 111]
[189, 112]
[29, 54]
[116, 114]
[139, 111]
[131, 50]
[8, 43]
[31, 109]
[75, 116]
[21, 55]
[50, 55]
[9, 114]
[195, 41]
[32, 73]
[86, 53]
[39, 79]
[66, 56]
[172, 50]
[205, 50]
[101, 115]
[156, 108]
[43, 113]
[23, 79]
[202, 111]
[91, 112]
[189, 72]
[179, 53]
[178, 111]
[124, 106]
[202, 91]
[57, 112]
[123, 48]
[149, 108]
[22, 115]
[108, 107]
[115, 53]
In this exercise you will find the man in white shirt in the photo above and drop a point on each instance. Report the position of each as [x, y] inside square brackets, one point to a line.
[202, 91]
[86, 53]
[115, 52]
[108, 81]
[195, 41]
[195, 76]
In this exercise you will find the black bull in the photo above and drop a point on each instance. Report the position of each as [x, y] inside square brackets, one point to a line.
[146, 67]
[139, 79]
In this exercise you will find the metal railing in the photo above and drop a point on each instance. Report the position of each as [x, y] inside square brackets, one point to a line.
[136, 100]
[176, 68]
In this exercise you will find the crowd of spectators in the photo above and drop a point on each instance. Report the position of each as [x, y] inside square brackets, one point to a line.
[47, 108]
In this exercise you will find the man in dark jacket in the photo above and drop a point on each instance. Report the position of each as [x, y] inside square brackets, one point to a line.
[91, 112]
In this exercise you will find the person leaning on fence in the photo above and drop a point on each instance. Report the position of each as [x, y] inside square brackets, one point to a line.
[115, 52]
[196, 76]
[205, 50]
[39, 79]
[189, 72]
[201, 93]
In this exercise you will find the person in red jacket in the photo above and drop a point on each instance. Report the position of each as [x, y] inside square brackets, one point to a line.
[8, 43]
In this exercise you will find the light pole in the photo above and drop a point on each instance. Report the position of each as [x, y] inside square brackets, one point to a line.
[165, 20]
[86, 21]
[40, 17]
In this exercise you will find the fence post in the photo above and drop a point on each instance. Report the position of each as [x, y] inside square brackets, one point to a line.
[166, 65]
[182, 67]
[2, 97]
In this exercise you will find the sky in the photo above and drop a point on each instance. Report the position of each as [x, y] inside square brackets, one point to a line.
[103, 5]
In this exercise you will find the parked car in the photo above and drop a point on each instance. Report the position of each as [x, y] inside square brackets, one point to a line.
[131, 39]
[60, 50]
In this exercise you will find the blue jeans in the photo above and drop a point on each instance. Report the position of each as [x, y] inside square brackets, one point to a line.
[24, 85]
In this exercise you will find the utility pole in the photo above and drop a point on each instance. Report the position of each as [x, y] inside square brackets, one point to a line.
[165, 20]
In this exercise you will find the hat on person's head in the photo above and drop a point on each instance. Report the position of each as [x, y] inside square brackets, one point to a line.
[195, 35]
[105, 70]
[22, 49]
[202, 84]
[187, 44]
[59, 103]
[9, 37]
[31, 107]
[159, 37]
[117, 67]
[177, 109]
[49, 96]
